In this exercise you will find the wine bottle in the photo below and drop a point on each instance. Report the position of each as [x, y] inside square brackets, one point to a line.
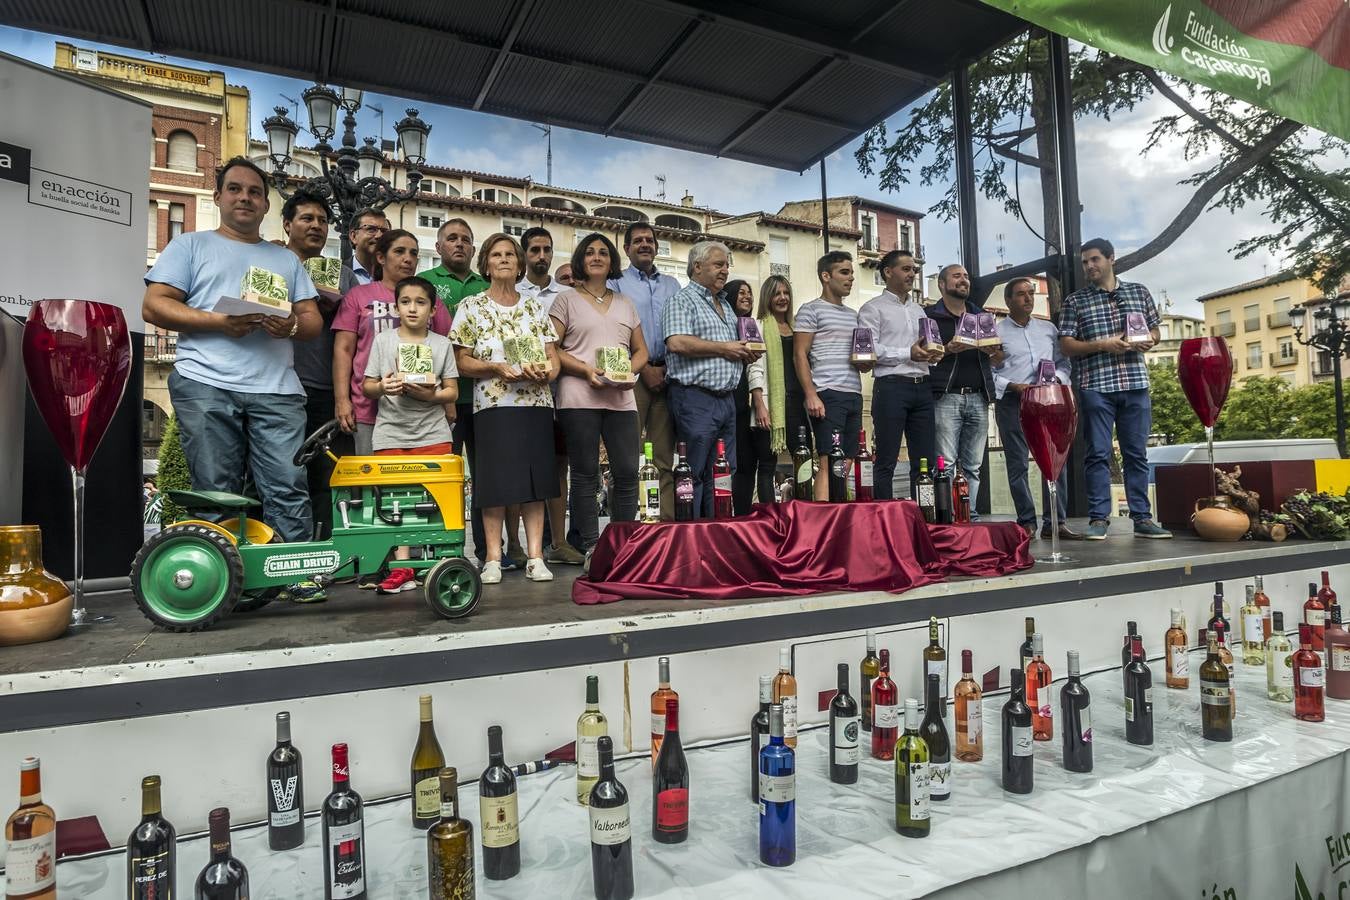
[934, 657]
[498, 813]
[721, 482]
[670, 784]
[862, 472]
[658, 707]
[924, 493]
[777, 796]
[591, 725]
[1309, 678]
[803, 468]
[868, 669]
[30, 835]
[759, 732]
[1253, 635]
[344, 835]
[1336, 640]
[1017, 769]
[1326, 595]
[285, 791]
[969, 715]
[1279, 662]
[1038, 692]
[1178, 660]
[785, 692]
[1075, 703]
[1216, 696]
[224, 877]
[1219, 617]
[913, 786]
[942, 494]
[1263, 602]
[933, 730]
[427, 762]
[1138, 697]
[450, 845]
[1131, 629]
[684, 485]
[1024, 652]
[649, 486]
[839, 471]
[1315, 615]
[885, 711]
[844, 724]
[960, 496]
[611, 830]
[1226, 657]
[152, 868]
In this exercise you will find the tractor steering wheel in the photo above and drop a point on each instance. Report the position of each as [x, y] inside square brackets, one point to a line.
[316, 443]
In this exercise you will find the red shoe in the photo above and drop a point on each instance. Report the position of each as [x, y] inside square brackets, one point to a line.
[398, 580]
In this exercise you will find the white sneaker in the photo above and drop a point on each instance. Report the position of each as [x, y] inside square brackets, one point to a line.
[535, 570]
[492, 572]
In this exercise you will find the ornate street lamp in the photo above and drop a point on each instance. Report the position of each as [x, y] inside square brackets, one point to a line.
[354, 183]
[1330, 332]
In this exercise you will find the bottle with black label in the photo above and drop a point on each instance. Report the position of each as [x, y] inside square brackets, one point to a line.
[344, 835]
[933, 730]
[845, 725]
[427, 762]
[285, 791]
[611, 830]
[151, 863]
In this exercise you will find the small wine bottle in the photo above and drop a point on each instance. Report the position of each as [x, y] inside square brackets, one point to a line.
[942, 494]
[686, 505]
[933, 730]
[840, 467]
[924, 493]
[450, 846]
[649, 487]
[1138, 697]
[1219, 616]
[777, 796]
[803, 468]
[1220, 633]
[151, 849]
[868, 669]
[1131, 630]
[969, 715]
[224, 877]
[1309, 678]
[427, 762]
[934, 657]
[1315, 615]
[1336, 640]
[1038, 692]
[285, 791]
[1024, 652]
[759, 732]
[885, 711]
[1279, 662]
[844, 721]
[662, 693]
[30, 835]
[670, 784]
[1263, 603]
[1178, 660]
[862, 471]
[913, 817]
[1017, 741]
[1216, 696]
[1253, 633]
[1075, 705]
[498, 813]
[611, 830]
[960, 496]
[591, 725]
[785, 692]
[722, 508]
[344, 835]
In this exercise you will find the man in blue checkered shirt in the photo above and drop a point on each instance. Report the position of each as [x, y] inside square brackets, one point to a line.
[704, 361]
[1112, 381]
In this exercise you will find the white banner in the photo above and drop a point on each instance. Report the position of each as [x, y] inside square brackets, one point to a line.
[74, 190]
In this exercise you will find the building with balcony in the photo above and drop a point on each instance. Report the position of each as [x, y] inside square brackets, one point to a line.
[1172, 330]
[881, 228]
[1254, 318]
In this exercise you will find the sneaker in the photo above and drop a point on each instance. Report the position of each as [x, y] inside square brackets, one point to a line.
[399, 580]
[303, 592]
[492, 572]
[1147, 528]
[516, 556]
[371, 582]
[1096, 530]
[566, 555]
[535, 570]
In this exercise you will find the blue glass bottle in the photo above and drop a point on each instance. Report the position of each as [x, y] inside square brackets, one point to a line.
[777, 796]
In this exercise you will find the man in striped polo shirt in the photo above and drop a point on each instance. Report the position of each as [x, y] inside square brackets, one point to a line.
[822, 343]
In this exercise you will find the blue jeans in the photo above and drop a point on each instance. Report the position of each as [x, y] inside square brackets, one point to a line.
[222, 432]
[901, 407]
[1008, 417]
[701, 419]
[962, 422]
[1130, 413]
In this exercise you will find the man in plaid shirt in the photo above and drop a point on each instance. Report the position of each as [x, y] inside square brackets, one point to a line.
[704, 361]
[1112, 381]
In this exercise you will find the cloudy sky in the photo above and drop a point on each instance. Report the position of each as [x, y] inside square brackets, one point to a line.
[1126, 197]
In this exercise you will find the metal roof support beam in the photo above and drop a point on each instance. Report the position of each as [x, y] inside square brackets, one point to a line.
[635, 96]
[965, 171]
[508, 42]
[141, 20]
[824, 211]
[1066, 161]
[326, 43]
[818, 71]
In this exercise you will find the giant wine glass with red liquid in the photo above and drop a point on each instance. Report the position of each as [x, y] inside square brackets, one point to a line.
[1206, 372]
[1049, 422]
[77, 355]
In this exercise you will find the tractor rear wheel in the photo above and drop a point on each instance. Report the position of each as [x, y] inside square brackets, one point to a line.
[187, 578]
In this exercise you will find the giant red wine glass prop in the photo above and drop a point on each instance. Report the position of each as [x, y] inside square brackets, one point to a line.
[1206, 371]
[1049, 422]
[77, 354]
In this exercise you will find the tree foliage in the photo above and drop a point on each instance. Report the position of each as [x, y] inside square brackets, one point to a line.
[1172, 414]
[1259, 408]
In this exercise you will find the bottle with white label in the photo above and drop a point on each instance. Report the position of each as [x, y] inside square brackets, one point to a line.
[913, 784]
[1309, 678]
[759, 732]
[845, 724]
[1017, 741]
[499, 813]
[427, 762]
[1279, 662]
[1253, 630]
[933, 730]
[969, 715]
[1216, 696]
[285, 791]
[1336, 640]
[662, 693]
[785, 693]
[1176, 646]
[591, 725]
[611, 829]
[344, 850]
[30, 835]
[1138, 696]
[649, 486]
[1075, 705]
[934, 657]
[777, 796]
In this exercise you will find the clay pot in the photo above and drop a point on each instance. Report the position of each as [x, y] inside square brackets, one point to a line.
[1216, 519]
[34, 604]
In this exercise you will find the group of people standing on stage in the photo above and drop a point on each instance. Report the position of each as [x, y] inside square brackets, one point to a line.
[246, 389]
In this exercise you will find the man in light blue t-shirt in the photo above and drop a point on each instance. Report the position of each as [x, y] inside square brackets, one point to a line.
[234, 389]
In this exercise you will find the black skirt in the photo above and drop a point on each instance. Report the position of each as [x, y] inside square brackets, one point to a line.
[513, 458]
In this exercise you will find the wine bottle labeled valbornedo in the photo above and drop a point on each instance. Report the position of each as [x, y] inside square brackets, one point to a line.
[285, 791]
[498, 813]
[450, 846]
[611, 830]
[344, 835]
[223, 877]
[151, 862]
[844, 733]
[670, 784]
[425, 768]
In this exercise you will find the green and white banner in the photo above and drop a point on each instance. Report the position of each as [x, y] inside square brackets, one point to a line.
[1291, 57]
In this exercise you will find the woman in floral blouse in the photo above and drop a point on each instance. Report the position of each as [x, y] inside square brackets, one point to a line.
[507, 344]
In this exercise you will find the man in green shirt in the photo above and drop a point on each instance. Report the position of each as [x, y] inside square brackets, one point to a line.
[454, 280]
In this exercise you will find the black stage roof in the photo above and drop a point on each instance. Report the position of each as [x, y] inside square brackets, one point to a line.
[781, 83]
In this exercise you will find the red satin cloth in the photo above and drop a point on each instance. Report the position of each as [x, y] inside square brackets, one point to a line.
[793, 548]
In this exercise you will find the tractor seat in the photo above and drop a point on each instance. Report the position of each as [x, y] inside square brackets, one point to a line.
[212, 500]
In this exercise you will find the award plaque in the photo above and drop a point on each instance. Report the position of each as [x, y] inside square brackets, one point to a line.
[524, 349]
[1136, 329]
[614, 365]
[988, 333]
[749, 331]
[864, 350]
[967, 331]
[1045, 372]
[928, 332]
[326, 274]
[415, 364]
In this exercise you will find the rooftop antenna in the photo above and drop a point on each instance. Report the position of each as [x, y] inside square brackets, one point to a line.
[295, 106]
[548, 136]
[1002, 250]
[380, 111]
[660, 187]
[1167, 301]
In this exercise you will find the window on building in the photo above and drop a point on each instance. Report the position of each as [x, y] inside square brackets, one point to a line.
[1251, 317]
[868, 225]
[1223, 324]
[182, 152]
[1254, 355]
[1280, 317]
[426, 219]
[662, 247]
[1287, 348]
[153, 142]
[444, 188]
[176, 212]
[514, 227]
[907, 238]
[497, 195]
[152, 236]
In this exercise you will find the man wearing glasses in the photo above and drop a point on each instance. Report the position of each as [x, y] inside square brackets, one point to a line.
[368, 226]
[1112, 381]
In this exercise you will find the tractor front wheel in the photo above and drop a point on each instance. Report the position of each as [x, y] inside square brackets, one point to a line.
[452, 588]
[187, 578]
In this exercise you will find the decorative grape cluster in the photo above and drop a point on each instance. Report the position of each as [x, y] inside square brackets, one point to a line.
[1319, 515]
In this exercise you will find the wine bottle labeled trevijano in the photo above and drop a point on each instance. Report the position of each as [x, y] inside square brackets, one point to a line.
[427, 762]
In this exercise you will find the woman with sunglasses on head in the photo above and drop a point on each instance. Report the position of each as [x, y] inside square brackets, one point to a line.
[777, 401]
